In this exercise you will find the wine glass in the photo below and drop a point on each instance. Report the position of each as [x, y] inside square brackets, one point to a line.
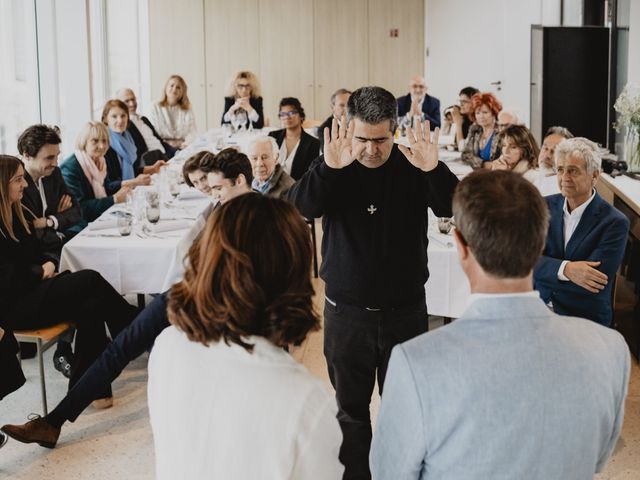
[125, 224]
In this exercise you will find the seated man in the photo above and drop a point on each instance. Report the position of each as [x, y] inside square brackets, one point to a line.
[419, 103]
[51, 206]
[547, 181]
[339, 101]
[510, 390]
[134, 340]
[506, 118]
[143, 132]
[269, 178]
[586, 239]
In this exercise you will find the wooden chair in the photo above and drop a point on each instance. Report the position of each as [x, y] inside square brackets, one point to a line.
[44, 338]
[312, 224]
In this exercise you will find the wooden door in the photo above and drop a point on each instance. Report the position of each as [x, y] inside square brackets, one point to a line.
[341, 33]
[231, 33]
[396, 43]
[286, 54]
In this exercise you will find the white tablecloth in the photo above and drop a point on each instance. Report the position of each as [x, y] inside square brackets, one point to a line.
[133, 264]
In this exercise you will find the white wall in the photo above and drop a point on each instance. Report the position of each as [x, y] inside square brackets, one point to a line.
[634, 43]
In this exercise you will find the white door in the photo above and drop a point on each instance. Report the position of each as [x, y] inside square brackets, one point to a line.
[485, 45]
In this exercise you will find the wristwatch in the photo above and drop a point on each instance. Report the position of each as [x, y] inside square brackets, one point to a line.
[49, 222]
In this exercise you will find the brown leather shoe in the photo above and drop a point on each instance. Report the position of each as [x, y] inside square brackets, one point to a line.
[37, 430]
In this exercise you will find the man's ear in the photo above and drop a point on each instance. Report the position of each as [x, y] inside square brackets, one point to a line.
[463, 248]
[241, 179]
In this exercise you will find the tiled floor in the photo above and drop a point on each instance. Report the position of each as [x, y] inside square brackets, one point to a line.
[117, 443]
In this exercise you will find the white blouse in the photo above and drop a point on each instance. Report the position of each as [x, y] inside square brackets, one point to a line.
[172, 122]
[222, 412]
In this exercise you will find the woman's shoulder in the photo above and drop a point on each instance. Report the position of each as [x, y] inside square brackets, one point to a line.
[69, 164]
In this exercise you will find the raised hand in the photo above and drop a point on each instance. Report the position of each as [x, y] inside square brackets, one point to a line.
[338, 151]
[423, 150]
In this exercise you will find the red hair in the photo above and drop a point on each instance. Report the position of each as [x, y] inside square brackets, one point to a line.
[484, 98]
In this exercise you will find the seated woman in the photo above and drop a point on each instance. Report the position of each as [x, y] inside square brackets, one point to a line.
[33, 295]
[193, 175]
[124, 165]
[481, 146]
[172, 116]
[85, 173]
[519, 152]
[232, 315]
[297, 148]
[243, 103]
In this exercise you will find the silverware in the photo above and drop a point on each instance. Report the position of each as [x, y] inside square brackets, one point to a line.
[104, 235]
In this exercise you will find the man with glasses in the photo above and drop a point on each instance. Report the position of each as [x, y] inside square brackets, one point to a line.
[417, 103]
[373, 197]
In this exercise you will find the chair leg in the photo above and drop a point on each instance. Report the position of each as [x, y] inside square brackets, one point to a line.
[43, 388]
[315, 247]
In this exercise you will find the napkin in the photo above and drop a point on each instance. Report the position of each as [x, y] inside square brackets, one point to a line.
[191, 194]
[103, 224]
[169, 226]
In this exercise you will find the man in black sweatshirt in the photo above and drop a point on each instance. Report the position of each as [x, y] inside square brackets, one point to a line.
[373, 197]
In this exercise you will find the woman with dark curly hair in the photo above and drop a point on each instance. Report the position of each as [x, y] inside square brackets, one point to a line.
[481, 145]
[225, 399]
[297, 148]
[519, 152]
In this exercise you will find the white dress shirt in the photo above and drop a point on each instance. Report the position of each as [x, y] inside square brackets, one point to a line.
[571, 221]
[287, 160]
[149, 138]
[218, 411]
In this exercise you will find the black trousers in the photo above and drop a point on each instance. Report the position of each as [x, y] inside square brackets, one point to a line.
[357, 346]
[84, 298]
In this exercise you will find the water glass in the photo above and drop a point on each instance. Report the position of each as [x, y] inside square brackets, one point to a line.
[125, 224]
[153, 214]
[444, 224]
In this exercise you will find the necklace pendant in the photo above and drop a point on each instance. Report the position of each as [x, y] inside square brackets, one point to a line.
[372, 209]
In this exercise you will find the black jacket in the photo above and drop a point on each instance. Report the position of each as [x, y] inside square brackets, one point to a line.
[307, 151]
[255, 102]
[374, 245]
[142, 146]
[54, 189]
[113, 182]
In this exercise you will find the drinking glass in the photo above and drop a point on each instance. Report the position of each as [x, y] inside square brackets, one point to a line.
[153, 214]
[444, 224]
[125, 224]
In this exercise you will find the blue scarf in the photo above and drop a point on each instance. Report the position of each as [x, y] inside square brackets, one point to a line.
[125, 147]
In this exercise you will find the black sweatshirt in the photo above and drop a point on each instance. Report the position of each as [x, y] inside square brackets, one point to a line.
[374, 245]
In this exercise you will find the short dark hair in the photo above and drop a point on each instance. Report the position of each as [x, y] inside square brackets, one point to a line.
[503, 219]
[373, 105]
[235, 286]
[469, 91]
[230, 163]
[114, 103]
[37, 136]
[292, 102]
[195, 163]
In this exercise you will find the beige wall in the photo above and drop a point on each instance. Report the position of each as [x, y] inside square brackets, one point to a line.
[299, 48]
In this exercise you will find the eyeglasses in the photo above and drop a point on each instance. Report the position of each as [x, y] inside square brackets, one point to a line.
[418, 86]
[288, 114]
[243, 85]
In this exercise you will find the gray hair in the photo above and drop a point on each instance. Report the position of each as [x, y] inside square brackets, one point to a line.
[582, 148]
[274, 145]
[562, 131]
[340, 91]
[373, 105]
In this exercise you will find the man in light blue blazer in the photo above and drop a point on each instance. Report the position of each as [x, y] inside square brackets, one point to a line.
[510, 390]
[586, 239]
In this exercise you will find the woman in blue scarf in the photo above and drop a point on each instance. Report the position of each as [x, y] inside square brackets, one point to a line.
[124, 167]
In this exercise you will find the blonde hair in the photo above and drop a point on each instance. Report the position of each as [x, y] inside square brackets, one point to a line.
[97, 130]
[184, 102]
[8, 167]
[256, 90]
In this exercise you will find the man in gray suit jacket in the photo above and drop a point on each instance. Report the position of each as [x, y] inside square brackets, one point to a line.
[509, 390]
